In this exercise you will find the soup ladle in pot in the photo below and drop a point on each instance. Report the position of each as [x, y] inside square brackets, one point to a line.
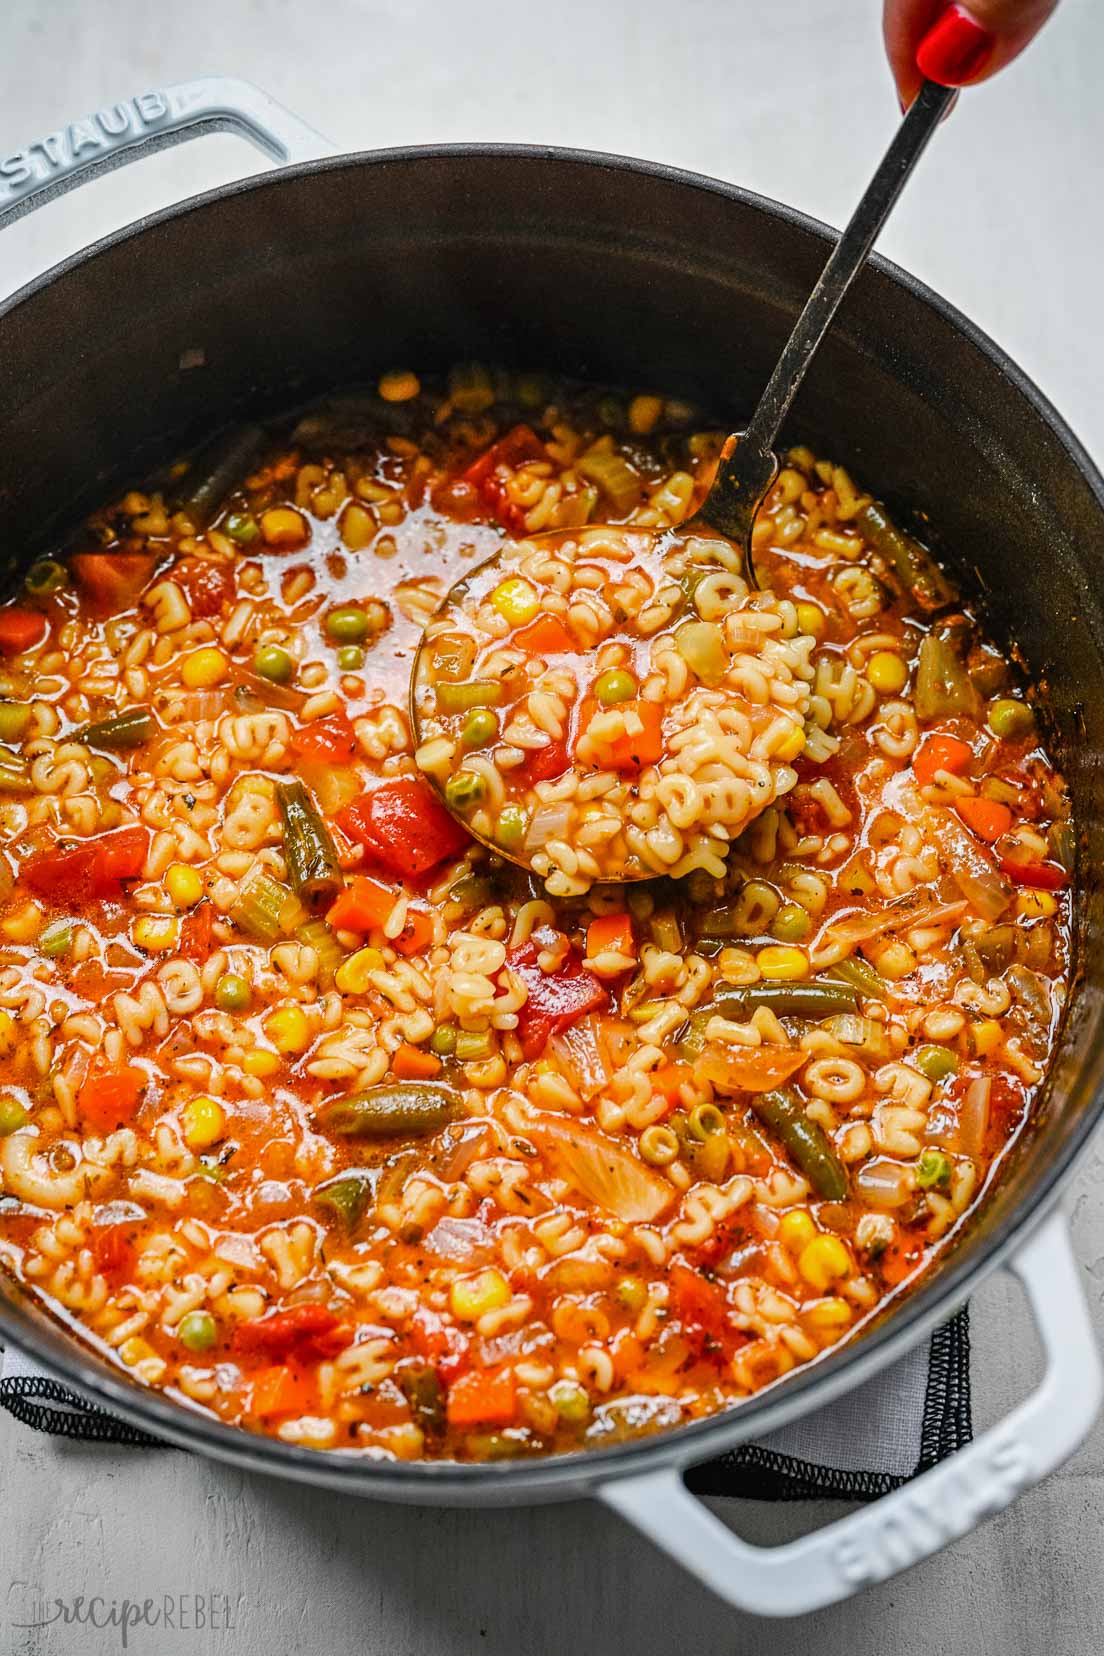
[749, 466]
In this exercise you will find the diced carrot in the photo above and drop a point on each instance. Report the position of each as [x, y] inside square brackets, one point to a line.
[627, 1353]
[610, 934]
[364, 903]
[411, 1063]
[279, 1391]
[112, 580]
[20, 629]
[635, 749]
[987, 818]
[547, 635]
[483, 1398]
[668, 1079]
[109, 1098]
[416, 934]
[940, 753]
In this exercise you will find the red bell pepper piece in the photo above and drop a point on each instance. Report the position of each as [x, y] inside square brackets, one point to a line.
[1044, 876]
[518, 446]
[94, 867]
[332, 739]
[556, 999]
[442, 1343]
[404, 826]
[305, 1333]
[206, 585]
[20, 629]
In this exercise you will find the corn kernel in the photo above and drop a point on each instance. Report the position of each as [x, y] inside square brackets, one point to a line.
[7, 1033]
[811, 619]
[284, 526]
[353, 975]
[887, 672]
[288, 1030]
[260, 1062]
[829, 1315]
[472, 1297]
[183, 885]
[400, 385]
[644, 414]
[156, 933]
[985, 1037]
[516, 601]
[779, 961]
[204, 1123]
[1036, 905]
[797, 1230]
[792, 745]
[823, 1261]
[204, 668]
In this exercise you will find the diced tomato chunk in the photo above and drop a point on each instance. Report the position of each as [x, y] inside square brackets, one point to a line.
[112, 580]
[1045, 876]
[113, 1251]
[109, 1098]
[544, 764]
[94, 867]
[195, 933]
[333, 739]
[206, 585]
[519, 445]
[442, 1343]
[307, 1333]
[404, 826]
[20, 629]
[556, 999]
[699, 1305]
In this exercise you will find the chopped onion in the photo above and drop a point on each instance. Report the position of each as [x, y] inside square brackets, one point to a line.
[465, 1240]
[548, 822]
[970, 868]
[581, 1057]
[884, 1183]
[916, 908]
[973, 1116]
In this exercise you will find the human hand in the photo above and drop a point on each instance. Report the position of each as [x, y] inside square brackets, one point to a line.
[957, 45]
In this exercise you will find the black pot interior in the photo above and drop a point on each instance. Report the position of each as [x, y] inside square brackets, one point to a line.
[271, 291]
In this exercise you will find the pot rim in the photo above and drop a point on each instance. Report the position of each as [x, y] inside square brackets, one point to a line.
[816, 1384]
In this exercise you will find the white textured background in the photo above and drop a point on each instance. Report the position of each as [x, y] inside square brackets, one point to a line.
[791, 98]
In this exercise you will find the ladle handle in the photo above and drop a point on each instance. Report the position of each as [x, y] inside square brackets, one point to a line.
[744, 478]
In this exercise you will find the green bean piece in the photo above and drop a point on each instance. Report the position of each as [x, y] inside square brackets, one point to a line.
[479, 728]
[943, 686]
[814, 998]
[912, 563]
[464, 790]
[1063, 844]
[14, 719]
[197, 1330]
[807, 1144]
[57, 939]
[473, 890]
[461, 698]
[12, 1116]
[666, 931]
[792, 924]
[347, 1196]
[495, 1446]
[320, 937]
[15, 773]
[264, 908]
[274, 663]
[131, 728]
[473, 1043]
[394, 1177]
[45, 577]
[1009, 718]
[933, 1170]
[421, 1386]
[407, 1108]
[860, 976]
[218, 470]
[934, 1062]
[242, 527]
[443, 1040]
[312, 864]
[233, 993]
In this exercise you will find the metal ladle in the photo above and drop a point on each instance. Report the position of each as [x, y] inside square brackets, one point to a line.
[746, 475]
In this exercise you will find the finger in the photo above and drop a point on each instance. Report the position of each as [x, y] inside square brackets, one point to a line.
[958, 45]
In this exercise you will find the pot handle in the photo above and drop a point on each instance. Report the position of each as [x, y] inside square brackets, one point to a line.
[151, 121]
[924, 1515]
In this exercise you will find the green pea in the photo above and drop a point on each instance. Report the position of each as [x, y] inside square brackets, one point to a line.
[615, 686]
[443, 1040]
[512, 826]
[479, 728]
[935, 1062]
[273, 662]
[57, 939]
[198, 1331]
[350, 658]
[44, 577]
[12, 1116]
[464, 790]
[632, 1293]
[933, 1170]
[571, 1400]
[791, 924]
[232, 993]
[242, 527]
[1008, 718]
[347, 625]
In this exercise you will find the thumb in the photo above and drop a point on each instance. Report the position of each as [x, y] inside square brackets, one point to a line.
[958, 45]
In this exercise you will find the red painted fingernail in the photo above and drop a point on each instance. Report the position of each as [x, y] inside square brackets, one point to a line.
[955, 49]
